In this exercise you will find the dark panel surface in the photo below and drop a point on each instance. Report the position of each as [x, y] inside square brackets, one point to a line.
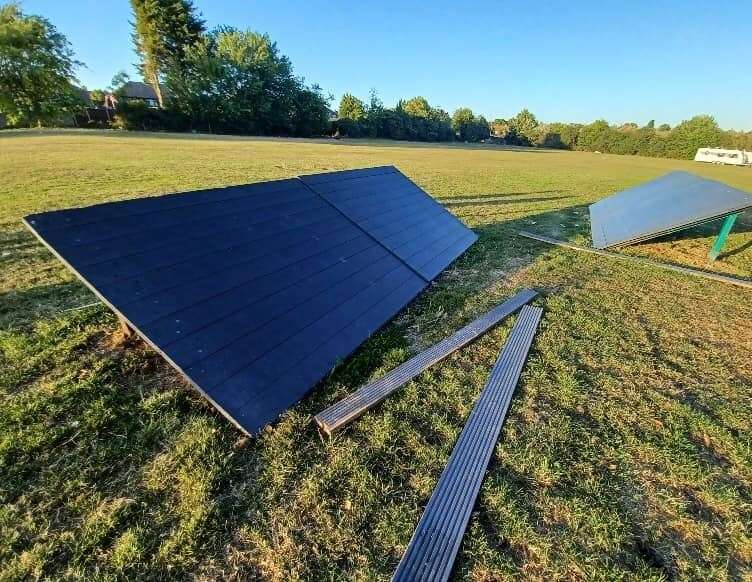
[436, 541]
[673, 202]
[396, 212]
[351, 407]
[253, 292]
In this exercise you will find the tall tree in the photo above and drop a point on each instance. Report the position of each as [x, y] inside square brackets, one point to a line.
[350, 107]
[164, 30]
[417, 107]
[36, 69]
[238, 82]
[524, 128]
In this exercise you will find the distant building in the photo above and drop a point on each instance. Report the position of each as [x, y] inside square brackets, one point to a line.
[721, 156]
[137, 91]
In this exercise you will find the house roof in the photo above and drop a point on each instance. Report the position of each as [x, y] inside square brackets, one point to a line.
[137, 90]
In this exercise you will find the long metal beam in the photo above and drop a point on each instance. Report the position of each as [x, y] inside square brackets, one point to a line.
[639, 260]
[351, 407]
[436, 541]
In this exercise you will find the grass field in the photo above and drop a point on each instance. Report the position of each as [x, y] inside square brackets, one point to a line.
[627, 453]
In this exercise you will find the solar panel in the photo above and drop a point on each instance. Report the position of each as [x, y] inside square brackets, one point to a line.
[673, 202]
[253, 292]
[392, 209]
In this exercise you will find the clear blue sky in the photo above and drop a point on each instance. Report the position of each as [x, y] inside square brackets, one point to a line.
[565, 61]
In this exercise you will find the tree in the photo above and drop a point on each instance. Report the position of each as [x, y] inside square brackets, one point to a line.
[374, 114]
[36, 69]
[164, 31]
[523, 128]
[468, 127]
[417, 107]
[664, 127]
[350, 107]
[687, 137]
[237, 81]
[650, 124]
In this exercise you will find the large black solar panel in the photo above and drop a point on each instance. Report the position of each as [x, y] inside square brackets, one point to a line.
[672, 202]
[392, 209]
[253, 292]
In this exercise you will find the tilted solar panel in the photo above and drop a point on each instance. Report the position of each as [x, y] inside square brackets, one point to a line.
[253, 292]
[392, 209]
[672, 202]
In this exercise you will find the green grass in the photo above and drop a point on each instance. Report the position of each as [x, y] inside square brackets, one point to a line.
[626, 455]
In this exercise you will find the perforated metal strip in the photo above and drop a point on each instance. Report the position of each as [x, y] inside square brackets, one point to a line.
[436, 541]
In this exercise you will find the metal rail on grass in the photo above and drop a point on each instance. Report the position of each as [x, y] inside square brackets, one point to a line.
[640, 260]
[436, 541]
[357, 403]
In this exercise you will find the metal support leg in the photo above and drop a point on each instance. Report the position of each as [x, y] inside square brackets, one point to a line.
[726, 227]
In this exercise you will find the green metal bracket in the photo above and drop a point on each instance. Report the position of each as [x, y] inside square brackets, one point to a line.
[726, 227]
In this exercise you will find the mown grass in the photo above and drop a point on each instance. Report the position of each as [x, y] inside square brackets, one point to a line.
[626, 454]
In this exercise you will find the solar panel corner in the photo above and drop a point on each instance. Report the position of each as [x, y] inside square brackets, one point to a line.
[252, 292]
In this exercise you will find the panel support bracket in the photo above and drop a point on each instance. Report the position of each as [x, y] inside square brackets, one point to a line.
[728, 224]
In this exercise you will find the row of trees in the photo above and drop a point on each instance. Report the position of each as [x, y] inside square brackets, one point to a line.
[663, 141]
[415, 119]
[412, 119]
[233, 81]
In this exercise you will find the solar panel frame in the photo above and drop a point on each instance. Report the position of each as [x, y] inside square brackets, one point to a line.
[191, 292]
[673, 202]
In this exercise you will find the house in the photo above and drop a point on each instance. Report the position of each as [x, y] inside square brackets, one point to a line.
[136, 91]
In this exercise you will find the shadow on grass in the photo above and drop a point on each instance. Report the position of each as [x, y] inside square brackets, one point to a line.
[23, 309]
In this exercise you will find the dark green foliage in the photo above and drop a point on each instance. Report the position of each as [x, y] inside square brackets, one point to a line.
[36, 70]
[469, 127]
[164, 31]
[559, 135]
[234, 81]
[681, 142]
[414, 119]
[136, 115]
[700, 131]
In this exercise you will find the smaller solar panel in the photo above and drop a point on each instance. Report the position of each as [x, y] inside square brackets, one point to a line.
[392, 209]
[673, 202]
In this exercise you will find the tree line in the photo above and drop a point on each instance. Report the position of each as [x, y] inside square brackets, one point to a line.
[228, 80]
[415, 119]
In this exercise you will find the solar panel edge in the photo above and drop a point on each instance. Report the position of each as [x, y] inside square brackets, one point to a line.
[166, 195]
[606, 232]
[136, 329]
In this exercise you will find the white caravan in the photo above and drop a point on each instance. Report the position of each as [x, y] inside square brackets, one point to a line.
[719, 156]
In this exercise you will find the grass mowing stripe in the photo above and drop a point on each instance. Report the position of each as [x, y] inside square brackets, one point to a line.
[437, 538]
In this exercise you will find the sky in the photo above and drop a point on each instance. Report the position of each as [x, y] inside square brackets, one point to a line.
[565, 61]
